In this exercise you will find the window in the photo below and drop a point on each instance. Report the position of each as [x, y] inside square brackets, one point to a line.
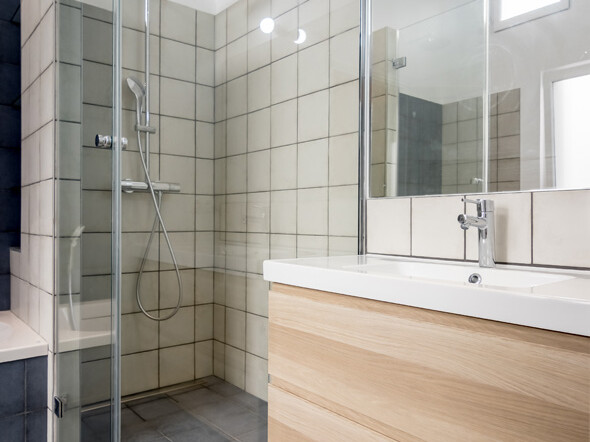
[508, 13]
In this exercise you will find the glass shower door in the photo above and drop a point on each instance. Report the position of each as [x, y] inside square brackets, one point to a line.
[86, 400]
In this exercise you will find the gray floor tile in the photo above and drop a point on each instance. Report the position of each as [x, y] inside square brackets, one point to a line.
[252, 402]
[259, 434]
[206, 434]
[140, 433]
[156, 408]
[176, 423]
[231, 418]
[225, 389]
[198, 398]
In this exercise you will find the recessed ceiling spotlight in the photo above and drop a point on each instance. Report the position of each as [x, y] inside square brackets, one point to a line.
[301, 37]
[267, 25]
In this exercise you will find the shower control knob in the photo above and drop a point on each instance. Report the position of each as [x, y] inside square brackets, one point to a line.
[106, 141]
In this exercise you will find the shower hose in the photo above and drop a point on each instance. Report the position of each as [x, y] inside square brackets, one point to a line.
[157, 219]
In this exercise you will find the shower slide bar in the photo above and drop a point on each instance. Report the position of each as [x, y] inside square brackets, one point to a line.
[130, 186]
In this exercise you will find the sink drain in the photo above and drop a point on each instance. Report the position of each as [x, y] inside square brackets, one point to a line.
[474, 278]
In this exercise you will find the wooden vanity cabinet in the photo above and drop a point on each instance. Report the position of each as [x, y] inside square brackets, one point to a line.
[352, 369]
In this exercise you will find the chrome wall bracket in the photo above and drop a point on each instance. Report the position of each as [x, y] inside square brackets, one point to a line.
[148, 129]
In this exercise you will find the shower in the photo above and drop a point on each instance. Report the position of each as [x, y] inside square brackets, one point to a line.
[155, 189]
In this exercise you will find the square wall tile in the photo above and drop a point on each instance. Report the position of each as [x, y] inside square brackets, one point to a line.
[556, 242]
[258, 49]
[237, 99]
[388, 226]
[257, 376]
[344, 108]
[435, 230]
[257, 335]
[312, 164]
[313, 68]
[343, 160]
[513, 228]
[283, 246]
[283, 167]
[177, 364]
[134, 377]
[313, 116]
[344, 56]
[312, 211]
[344, 14]
[343, 210]
[178, 22]
[203, 359]
[259, 92]
[259, 130]
[235, 328]
[284, 79]
[259, 171]
[283, 216]
[282, 43]
[311, 246]
[235, 363]
[283, 123]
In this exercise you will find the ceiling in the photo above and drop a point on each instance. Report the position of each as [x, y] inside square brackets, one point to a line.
[210, 6]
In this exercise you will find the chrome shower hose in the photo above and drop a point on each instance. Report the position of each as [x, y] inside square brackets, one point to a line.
[157, 219]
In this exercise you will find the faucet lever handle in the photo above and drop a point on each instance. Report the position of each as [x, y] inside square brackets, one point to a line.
[477, 202]
[483, 205]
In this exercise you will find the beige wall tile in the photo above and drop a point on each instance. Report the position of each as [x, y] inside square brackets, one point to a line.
[435, 230]
[177, 364]
[560, 228]
[388, 226]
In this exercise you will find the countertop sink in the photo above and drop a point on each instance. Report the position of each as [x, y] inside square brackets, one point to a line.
[459, 273]
[548, 298]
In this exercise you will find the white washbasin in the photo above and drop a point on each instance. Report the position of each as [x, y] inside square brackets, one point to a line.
[553, 299]
[460, 273]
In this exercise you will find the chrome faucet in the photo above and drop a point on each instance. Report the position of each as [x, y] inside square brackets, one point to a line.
[486, 229]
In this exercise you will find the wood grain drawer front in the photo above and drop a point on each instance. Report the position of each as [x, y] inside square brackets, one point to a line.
[413, 374]
[292, 419]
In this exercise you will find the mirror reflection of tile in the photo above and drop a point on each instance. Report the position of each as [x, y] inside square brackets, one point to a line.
[432, 149]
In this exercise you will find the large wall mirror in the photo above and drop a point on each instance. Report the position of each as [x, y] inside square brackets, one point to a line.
[479, 96]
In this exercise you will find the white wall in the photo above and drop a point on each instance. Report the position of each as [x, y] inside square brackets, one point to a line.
[519, 54]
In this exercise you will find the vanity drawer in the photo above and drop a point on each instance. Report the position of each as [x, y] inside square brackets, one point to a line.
[414, 374]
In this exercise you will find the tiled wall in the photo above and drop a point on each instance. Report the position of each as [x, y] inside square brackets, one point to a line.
[532, 228]
[286, 150]
[32, 267]
[9, 141]
[419, 147]
[385, 92]
[182, 99]
[23, 393]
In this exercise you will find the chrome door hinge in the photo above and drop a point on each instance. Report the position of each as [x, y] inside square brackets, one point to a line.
[59, 405]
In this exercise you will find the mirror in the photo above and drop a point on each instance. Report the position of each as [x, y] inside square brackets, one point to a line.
[479, 96]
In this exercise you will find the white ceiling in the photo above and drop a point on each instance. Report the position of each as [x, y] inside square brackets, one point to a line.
[398, 14]
[210, 6]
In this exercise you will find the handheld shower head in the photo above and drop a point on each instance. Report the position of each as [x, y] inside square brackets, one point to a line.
[138, 90]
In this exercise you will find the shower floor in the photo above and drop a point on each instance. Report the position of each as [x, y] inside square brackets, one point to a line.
[213, 411]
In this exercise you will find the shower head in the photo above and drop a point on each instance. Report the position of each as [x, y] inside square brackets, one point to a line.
[138, 90]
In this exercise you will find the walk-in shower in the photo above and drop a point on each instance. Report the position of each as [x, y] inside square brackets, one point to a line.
[236, 146]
